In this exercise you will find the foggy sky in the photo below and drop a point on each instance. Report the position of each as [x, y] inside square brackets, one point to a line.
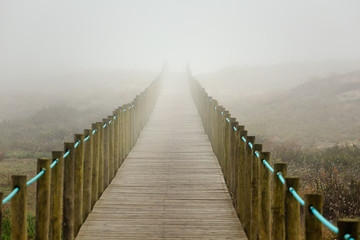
[53, 36]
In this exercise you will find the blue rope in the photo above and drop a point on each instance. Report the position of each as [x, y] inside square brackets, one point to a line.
[227, 120]
[312, 209]
[251, 145]
[234, 128]
[66, 154]
[267, 165]
[77, 144]
[54, 163]
[104, 126]
[324, 220]
[110, 122]
[282, 180]
[87, 138]
[348, 237]
[257, 154]
[129, 108]
[297, 197]
[94, 131]
[243, 138]
[125, 110]
[36, 177]
[133, 106]
[11, 195]
[114, 117]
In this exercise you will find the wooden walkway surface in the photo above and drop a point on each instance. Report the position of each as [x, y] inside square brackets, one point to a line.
[170, 186]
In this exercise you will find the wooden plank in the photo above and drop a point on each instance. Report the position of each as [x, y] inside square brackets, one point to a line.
[170, 186]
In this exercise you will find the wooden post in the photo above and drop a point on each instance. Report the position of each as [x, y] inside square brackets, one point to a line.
[43, 200]
[68, 207]
[130, 112]
[19, 208]
[278, 210]
[116, 142]
[78, 181]
[132, 124]
[292, 209]
[122, 134]
[126, 130]
[241, 185]
[237, 177]
[248, 196]
[215, 126]
[56, 195]
[255, 191]
[95, 167]
[220, 136]
[348, 226]
[226, 143]
[313, 228]
[111, 147]
[232, 152]
[101, 160]
[106, 152]
[265, 203]
[118, 118]
[87, 180]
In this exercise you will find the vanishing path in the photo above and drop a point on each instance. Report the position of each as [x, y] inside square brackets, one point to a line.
[171, 185]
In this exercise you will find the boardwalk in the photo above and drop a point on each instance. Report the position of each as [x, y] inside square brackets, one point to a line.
[170, 186]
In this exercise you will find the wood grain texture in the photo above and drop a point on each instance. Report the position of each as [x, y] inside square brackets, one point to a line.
[170, 186]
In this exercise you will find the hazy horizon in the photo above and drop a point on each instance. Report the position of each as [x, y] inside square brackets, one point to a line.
[41, 37]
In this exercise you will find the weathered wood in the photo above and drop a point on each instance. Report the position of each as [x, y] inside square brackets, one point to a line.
[111, 147]
[78, 181]
[292, 210]
[265, 196]
[348, 226]
[313, 227]
[255, 192]
[105, 152]
[241, 188]
[87, 175]
[56, 195]
[68, 196]
[95, 163]
[278, 208]
[122, 134]
[237, 180]
[248, 177]
[19, 208]
[43, 200]
[101, 159]
[170, 186]
[232, 151]
[116, 142]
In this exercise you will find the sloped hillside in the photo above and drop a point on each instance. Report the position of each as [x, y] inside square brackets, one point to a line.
[319, 112]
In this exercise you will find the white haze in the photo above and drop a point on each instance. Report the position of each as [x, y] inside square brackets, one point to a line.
[41, 37]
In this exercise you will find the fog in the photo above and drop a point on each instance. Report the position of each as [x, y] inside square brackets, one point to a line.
[92, 55]
[40, 36]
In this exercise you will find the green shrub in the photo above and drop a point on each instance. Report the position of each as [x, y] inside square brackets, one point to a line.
[333, 172]
[6, 225]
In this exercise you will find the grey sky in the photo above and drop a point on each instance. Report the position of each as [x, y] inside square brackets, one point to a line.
[53, 36]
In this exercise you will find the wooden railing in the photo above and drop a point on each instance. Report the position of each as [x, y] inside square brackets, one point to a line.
[264, 214]
[69, 184]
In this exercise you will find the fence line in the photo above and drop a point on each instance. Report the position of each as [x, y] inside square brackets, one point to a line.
[69, 185]
[247, 173]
